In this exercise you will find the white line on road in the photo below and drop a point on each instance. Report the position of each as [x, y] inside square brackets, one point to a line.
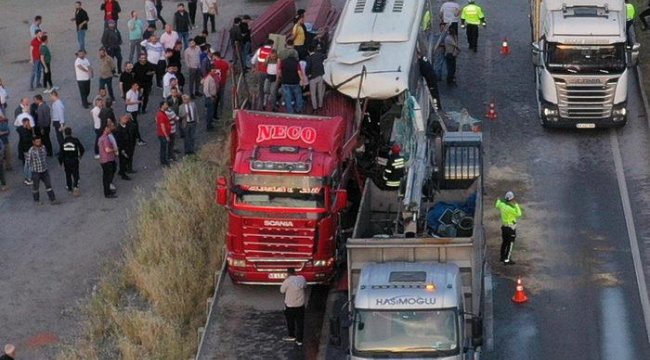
[631, 230]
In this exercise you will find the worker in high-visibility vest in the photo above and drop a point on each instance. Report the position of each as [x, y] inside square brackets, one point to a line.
[630, 12]
[510, 213]
[394, 169]
[259, 62]
[472, 16]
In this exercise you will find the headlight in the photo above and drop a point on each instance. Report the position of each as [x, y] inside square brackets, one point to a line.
[619, 112]
[236, 262]
[322, 263]
[550, 112]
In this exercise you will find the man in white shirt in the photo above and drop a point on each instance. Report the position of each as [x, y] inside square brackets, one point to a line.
[24, 115]
[167, 81]
[83, 72]
[450, 15]
[132, 106]
[150, 12]
[293, 288]
[97, 122]
[155, 56]
[209, 9]
[57, 111]
[169, 38]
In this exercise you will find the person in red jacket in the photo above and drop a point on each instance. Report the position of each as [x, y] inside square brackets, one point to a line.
[220, 63]
[164, 129]
[111, 9]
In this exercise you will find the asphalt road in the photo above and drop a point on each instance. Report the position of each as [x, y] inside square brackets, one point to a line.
[51, 257]
[573, 249]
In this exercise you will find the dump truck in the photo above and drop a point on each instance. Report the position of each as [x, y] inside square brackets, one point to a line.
[582, 57]
[416, 257]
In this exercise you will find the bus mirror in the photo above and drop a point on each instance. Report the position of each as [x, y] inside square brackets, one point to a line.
[537, 54]
[221, 192]
[341, 199]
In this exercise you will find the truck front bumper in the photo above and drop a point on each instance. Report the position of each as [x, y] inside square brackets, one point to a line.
[551, 118]
[313, 275]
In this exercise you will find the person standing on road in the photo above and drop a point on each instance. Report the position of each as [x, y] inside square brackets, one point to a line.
[510, 213]
[210, 91]
[58, 116]
[163, 127]
[108, 151]
[97, 122]
[144, 72]
[150, 13]
[236, 41]
[3, 154]
[189, 118]
[37, 163]
[111, 9]
[46, 60]
[630, 12]
[209, 10]
[127, 78]
[223, 69]
[83, 72]
[136, 32]
[35, 27]
[43, 122]
[159, 7]
[25, 140]
[472, 15]
[10, 352]
[81, 22]
[182, 24]
[106, 71]
[35, 60]
[192, 57]
[259, 62]
[125, 138]
[132, 105]
[450, 16]
[4, 138]
[451, 52]
[191, 7]
[70, 153]
[293, 288]
[112, 42]
[155, 56]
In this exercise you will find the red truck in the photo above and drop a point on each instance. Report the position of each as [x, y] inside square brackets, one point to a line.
[285, 192]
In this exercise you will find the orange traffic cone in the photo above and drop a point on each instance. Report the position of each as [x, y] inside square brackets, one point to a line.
[520, 295]
[492, 112]
[505, 48]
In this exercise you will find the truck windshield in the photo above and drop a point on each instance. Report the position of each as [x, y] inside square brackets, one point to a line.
[585, 59]
[428, 333]
[279, 192]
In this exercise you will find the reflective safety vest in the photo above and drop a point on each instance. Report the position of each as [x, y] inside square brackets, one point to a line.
[426, 21]
[264, 53]
[472, 14]
[509, 212]
[394, 171]
[631, 12]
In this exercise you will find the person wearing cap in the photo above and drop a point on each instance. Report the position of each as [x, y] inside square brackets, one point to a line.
[394, 169]
[472, 16]
[9, 353]
[510, 213]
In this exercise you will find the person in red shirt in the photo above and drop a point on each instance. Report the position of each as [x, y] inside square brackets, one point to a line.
[35, 60]
[164, 128]
[223, 68]
[111, 9]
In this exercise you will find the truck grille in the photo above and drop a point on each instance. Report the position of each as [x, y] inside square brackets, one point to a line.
[585, 101]
[265, 246]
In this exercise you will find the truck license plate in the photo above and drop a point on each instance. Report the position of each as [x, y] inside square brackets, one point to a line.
[277, 275]
[586, 126]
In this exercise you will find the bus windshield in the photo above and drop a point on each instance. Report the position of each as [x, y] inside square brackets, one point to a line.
[585, 59]
[427, 333]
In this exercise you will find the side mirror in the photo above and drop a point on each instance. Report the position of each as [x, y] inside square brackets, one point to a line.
[477, 332]
[633, 54]
[537, 54]
[221, 193]
[341, 199]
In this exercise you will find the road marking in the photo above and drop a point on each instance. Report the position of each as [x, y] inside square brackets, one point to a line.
[631, 230]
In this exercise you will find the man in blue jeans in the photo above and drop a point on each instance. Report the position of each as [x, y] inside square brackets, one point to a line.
[290, 74]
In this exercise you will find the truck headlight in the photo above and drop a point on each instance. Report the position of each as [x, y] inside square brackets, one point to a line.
[619, 112]
[322, 263]
[236, 262]
[550, 112]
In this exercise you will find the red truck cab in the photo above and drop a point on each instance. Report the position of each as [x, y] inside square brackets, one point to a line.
[284, 194]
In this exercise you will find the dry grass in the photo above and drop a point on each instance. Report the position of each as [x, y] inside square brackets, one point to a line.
[151, 304]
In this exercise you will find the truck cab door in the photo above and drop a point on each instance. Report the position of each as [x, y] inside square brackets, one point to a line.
[632, 54]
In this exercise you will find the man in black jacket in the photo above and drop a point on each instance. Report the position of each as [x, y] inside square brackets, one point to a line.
[81, 21]
[112, 42]
[144, 72]
[9, 353]
[125, 136]
[25, 138]
[429, 75]
[70, 153]
[182, 24]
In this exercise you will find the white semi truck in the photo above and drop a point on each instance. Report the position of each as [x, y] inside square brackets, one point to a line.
[582, 59]
[416, 274]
